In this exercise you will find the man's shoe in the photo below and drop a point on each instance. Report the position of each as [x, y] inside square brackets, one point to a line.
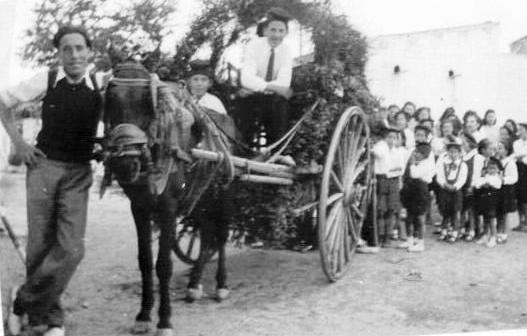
[492, 242]
[15, 323]
[55, 331]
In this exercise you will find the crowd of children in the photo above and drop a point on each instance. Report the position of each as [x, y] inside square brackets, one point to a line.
[475, 170]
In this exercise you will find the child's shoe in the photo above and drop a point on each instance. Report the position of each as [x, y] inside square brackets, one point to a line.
[502, 238]
[482, 240]
[492, 242]
[443, 235]
[452, 237]
[406, 244]
[470, 236]
[419, 246]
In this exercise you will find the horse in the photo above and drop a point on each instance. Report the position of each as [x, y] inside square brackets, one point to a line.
[150, 128]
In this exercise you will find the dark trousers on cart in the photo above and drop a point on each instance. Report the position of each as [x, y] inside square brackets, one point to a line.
[57, 197]
[269, 110]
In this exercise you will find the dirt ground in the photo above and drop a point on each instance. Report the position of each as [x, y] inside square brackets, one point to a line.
[463, 287]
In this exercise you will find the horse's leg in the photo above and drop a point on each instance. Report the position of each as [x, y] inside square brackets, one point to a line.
[222, 290]
[225, 212]
[194, 288]
[166, 208]
[141, 214]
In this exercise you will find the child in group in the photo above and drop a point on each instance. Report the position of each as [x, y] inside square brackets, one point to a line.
[486, 150]
[468, 225]
[407, 137]
[428, 123]
[421, 135]
[422, 113]
[513, 127]
[520, 154]
[489, 127]
[199, 82]
[488, 186]
[446, 130]
[415, 195]
[506, 133]
[508, 204]
[451, 176]
[392, 111]
[472, 125]
[389, 163]
[450, 114]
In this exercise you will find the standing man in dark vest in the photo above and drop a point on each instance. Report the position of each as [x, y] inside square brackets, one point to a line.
[58, 177]
[266, 79]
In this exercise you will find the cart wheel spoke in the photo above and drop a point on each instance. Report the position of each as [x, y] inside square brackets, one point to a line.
[337, 181]
[191, 243]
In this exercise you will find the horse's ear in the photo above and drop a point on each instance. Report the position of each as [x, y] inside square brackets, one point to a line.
[153, 59]
[115, 55]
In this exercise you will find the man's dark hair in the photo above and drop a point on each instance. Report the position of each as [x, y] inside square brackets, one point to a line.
[65, 30]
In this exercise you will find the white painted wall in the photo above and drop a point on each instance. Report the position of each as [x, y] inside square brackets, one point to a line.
[484, 77]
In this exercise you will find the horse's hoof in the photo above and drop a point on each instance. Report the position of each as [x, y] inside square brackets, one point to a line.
[194, 294]
[164, 332]
[142, 327]
[222, 294]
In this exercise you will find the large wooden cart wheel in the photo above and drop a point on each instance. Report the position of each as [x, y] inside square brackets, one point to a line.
[187, 242]
[344, 192]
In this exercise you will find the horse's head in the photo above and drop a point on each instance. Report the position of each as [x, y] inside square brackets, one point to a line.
[128, 153]
[145, 124]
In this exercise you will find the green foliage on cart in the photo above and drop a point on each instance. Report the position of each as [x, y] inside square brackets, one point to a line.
[334, 72]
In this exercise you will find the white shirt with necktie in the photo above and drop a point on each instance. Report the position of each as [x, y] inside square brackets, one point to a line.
[256, 61]
[449, 170]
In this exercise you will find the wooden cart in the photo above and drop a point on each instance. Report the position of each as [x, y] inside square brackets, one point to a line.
[346, 191]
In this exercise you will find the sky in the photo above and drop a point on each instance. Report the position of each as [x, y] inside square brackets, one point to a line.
[372, 17]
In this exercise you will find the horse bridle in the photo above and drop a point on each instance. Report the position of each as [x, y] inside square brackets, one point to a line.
[128, 140]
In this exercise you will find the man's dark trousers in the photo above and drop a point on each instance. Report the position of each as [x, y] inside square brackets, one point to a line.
[271, 110]
[57, 197]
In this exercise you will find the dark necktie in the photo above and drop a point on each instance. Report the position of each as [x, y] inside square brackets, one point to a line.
[270, 66]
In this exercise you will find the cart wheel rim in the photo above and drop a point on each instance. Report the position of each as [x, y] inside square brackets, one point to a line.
[344, 193]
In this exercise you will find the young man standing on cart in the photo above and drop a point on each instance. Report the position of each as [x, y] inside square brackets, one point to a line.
[58, 179]
[266, 79]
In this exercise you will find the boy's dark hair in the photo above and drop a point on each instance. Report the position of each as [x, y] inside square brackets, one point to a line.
[388, 130]
[65, 30]
[483, 144]
[423, 128]
[393, 105]
[524, 125]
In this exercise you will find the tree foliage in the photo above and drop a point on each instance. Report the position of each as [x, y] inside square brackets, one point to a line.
[136, 26]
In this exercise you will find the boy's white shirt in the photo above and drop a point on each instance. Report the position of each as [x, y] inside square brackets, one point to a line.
[494, 181]
[424, 170]
[510, 174]
[479, 163]
[389, 162]
[461, 177]
[520, 149]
